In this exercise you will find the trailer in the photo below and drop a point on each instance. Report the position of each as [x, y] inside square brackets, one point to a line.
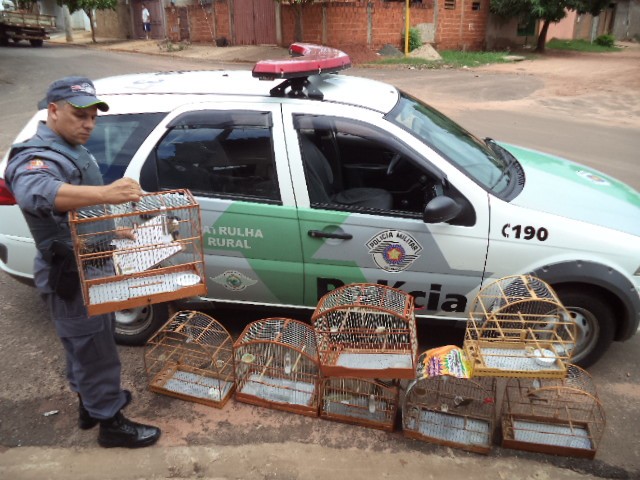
[20, 25]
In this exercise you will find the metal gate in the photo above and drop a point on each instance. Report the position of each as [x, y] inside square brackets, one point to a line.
[157, 18]
[254, 22]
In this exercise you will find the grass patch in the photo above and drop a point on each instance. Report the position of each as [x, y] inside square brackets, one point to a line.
[579, 46]
[450, 59]
[458, 59]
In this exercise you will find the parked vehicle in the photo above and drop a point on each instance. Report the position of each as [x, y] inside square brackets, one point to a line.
[17, 25]
[309, 181]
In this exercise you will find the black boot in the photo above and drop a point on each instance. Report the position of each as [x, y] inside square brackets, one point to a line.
[121, 432]
[86, 421]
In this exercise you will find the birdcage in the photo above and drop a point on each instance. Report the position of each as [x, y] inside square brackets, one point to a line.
[138, 253]
[517, 327]
[276, 364]
[556, 416]
[191, 358]
[366, 331]
[359, 401]
[444, 406]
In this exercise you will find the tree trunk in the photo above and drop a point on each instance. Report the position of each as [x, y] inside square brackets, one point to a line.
[542, 37]
[67, 24]
[298, 23]
[89, 13]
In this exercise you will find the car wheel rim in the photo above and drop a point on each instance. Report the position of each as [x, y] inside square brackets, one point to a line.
[133, 320]
[586, 332]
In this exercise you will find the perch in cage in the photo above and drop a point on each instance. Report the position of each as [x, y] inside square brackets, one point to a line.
[191, 358]
[517, 327]
[276, 364]
[359, 401]
[139, 253]
[366, 331]
[444, 406]
[555, 416]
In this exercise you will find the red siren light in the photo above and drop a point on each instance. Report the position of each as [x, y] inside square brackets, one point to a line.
[308, 59]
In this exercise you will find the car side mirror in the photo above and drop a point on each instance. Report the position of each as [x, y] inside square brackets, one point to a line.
[441, 209]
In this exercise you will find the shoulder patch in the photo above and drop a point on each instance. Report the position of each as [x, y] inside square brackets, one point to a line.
[36, 163]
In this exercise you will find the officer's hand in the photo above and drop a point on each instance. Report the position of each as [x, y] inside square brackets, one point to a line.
[122, 190]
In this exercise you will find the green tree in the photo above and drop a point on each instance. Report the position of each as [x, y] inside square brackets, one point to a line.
[298, 6]
[547, 11]
[88, 6]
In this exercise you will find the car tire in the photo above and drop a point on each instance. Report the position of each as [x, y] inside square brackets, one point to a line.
[36, 42]
[595, 321]
[136, 325]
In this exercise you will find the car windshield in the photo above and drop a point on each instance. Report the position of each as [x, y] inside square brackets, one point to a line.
[117, 138]
[485, 162]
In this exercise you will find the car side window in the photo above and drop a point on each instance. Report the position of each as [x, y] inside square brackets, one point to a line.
[222, 154]
[353, 166]
[116, 138]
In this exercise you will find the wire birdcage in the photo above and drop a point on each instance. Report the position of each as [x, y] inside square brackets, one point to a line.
[518, 327]
[444, 406]
[191, 358]
[139, 253]
[276, 364]
[366, 331]
[359, 401]
[556, 416]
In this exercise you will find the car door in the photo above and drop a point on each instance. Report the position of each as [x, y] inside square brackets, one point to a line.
[440, 264]
[232, 158]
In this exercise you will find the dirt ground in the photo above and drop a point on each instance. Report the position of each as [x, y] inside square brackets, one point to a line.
[38, 413]
[603, 88]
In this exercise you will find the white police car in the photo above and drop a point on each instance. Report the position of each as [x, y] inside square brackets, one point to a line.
[309, 181]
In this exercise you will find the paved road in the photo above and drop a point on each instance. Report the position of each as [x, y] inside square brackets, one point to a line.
[245, 442]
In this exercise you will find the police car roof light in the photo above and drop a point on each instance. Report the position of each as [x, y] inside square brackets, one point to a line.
[308, 59]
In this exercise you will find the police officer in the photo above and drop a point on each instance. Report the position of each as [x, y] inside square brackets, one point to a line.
[49, 175]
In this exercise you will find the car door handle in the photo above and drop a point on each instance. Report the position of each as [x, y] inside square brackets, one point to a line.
[319, 234]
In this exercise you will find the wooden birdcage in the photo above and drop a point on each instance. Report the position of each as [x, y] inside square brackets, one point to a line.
[556, 416]
[371, 403]
[442, 405]
[276, 364]
[517, 327]
[135, 254]
[366, 331]
[191, 358]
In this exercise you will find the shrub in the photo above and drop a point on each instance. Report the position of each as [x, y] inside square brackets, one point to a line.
[606, 40]
[415, 39]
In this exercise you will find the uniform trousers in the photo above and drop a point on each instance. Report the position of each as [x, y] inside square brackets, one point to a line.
[93, 363]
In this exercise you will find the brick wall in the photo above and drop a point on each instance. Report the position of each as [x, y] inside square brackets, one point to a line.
[113, 23]
[461, 28]
[366, 23]
[206, 22]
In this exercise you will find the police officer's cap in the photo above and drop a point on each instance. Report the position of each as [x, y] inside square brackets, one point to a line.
[78, 91]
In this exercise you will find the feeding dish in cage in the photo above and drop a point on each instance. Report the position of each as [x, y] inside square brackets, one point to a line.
[276, 364]
[451, 411]
[366, 331]
[191, 358]
[556, 416]
[367, 402]
[544, 357]
[162, 262]
[518, 327]
[187, 279]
